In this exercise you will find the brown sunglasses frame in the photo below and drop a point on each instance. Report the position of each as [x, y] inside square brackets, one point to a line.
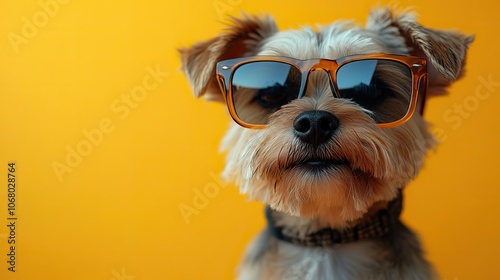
[418, 66]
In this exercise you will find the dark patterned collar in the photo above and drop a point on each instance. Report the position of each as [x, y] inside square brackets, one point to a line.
[376, 226]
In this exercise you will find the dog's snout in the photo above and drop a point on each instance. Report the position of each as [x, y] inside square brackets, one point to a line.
[315, 127]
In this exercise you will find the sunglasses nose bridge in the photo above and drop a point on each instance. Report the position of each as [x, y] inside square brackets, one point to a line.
[317, 66]
[306, 67]
[330, 67]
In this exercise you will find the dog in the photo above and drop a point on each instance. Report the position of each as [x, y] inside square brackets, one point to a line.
[328, 130]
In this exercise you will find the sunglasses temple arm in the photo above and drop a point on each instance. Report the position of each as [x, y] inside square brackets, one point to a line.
[222, 84]
[422, 91]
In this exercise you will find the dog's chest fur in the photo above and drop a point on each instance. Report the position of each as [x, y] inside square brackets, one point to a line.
[397, 256]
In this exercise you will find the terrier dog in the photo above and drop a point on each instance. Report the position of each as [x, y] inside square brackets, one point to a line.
[328, 131]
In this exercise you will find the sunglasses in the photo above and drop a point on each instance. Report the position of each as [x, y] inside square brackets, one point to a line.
[386, 86]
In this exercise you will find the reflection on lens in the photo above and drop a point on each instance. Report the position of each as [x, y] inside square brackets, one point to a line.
[380, 86]
[260, 88]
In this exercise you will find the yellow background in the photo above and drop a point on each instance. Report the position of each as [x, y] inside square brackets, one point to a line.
[116, 214]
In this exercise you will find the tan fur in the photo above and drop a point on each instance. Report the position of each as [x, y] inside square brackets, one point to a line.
[445, 50]
[377, 163]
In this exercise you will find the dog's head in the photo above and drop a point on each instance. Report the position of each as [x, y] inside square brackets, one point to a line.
[328, 121]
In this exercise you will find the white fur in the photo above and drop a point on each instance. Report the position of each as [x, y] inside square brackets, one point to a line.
[290, 262]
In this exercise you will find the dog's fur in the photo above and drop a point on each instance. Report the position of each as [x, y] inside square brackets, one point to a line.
[381, 162]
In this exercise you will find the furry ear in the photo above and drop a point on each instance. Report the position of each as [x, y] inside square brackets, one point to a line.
[242, 38]
[445, 51]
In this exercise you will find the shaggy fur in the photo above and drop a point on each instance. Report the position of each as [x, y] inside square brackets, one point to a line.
[376, 163]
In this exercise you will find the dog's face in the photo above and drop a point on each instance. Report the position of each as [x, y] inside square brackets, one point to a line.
[324, 153]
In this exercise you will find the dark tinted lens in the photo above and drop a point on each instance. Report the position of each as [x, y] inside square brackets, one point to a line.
[383, 87]
[260, 88]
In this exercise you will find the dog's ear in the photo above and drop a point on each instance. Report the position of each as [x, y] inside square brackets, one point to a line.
[445, 51]
[243, 37]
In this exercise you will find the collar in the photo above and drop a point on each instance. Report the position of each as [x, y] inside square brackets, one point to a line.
[376, 226]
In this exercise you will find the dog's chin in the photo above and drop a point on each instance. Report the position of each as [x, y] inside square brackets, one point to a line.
[332, 191]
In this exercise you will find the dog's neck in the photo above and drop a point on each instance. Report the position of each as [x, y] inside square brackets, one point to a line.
[377, 222]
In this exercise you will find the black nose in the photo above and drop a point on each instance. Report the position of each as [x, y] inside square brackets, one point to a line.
[315, 127]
